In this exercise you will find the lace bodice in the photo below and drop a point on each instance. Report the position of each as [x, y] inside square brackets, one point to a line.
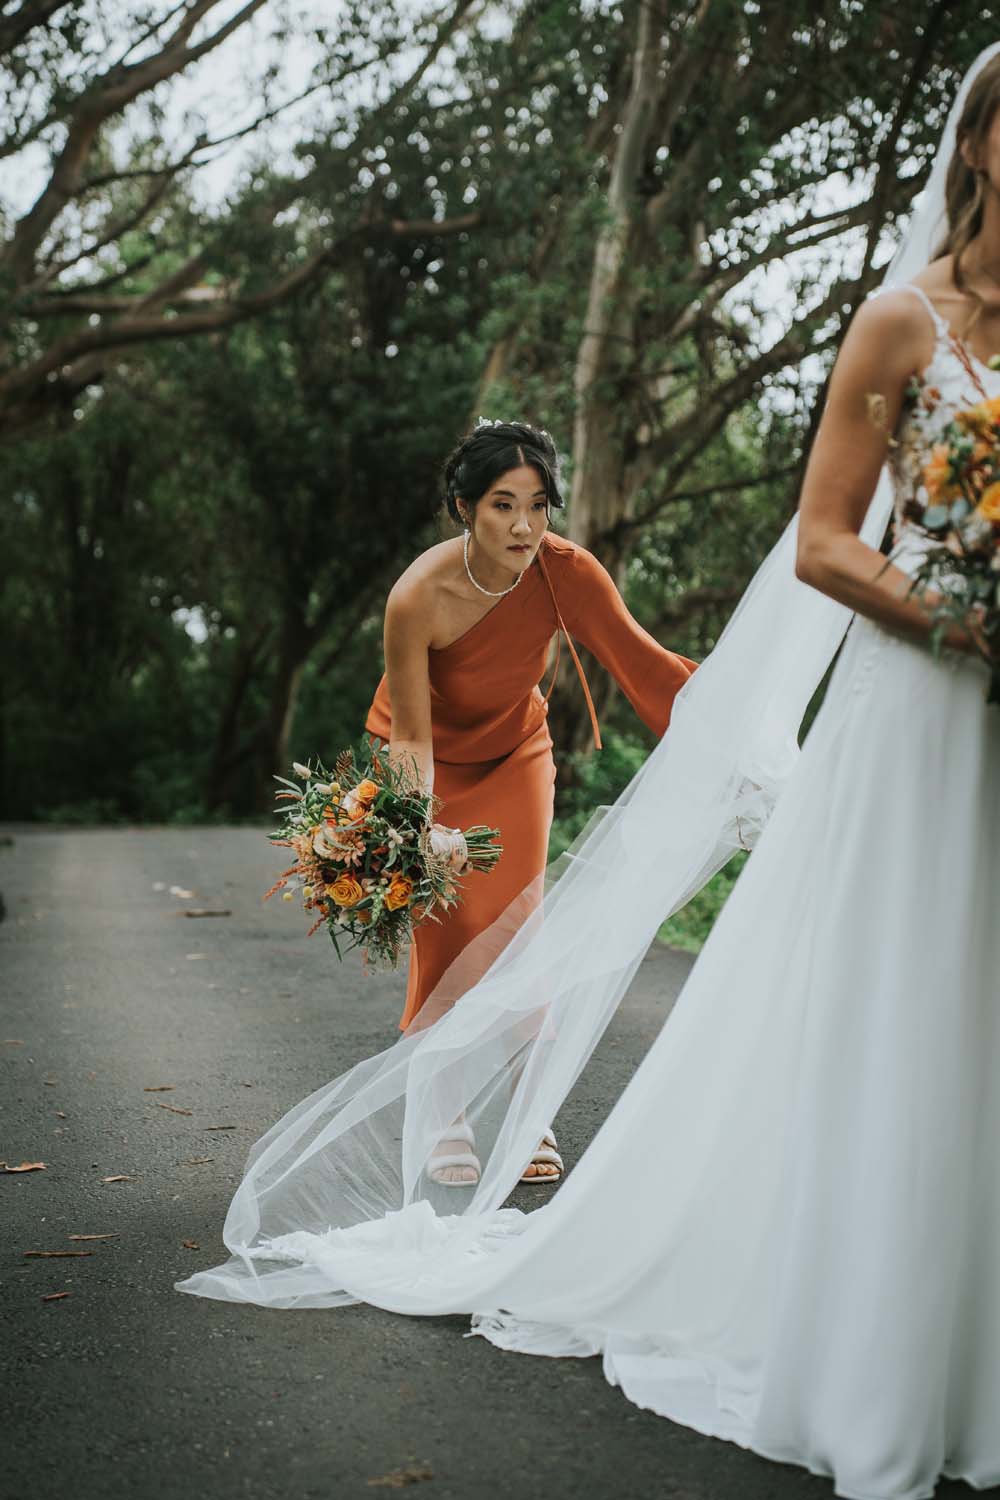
[946, 386]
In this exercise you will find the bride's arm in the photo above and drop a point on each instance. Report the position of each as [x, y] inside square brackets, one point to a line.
[888, 340]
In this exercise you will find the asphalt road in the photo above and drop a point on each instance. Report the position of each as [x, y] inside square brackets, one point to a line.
[124, 1387]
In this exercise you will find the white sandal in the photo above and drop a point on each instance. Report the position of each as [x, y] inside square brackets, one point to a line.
[546, 1153]
[440, 1160]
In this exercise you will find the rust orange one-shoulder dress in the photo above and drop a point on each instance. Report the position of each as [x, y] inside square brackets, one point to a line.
[492, 748]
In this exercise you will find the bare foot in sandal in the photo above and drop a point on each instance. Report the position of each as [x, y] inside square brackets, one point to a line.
[546, 1165]
[449, 1163]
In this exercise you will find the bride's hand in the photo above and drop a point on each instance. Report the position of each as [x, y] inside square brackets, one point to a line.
[971, 636]
[968, 635]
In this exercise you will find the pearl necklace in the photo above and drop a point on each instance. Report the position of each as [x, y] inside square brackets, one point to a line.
[493, 593]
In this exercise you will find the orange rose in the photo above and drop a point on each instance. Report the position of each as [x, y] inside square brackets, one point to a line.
[936, 470]
[975, 419]
[989, 506]
[366, 792]
[346, 891]
[399, 893]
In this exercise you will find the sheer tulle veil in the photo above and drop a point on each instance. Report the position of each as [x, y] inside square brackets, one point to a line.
[335, 1205]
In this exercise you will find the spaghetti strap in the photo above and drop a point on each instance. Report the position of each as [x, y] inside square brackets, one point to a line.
[944, 332]
[941, 325]
[579, 667]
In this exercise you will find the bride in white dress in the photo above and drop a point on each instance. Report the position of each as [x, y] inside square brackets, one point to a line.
[808, 1263]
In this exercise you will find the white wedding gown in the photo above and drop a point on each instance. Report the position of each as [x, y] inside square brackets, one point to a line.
[787, 1233]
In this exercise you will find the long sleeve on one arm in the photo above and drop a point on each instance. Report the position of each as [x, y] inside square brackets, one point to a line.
[597, 617]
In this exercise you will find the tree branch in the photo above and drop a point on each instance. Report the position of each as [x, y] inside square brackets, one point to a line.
[105, 97]
[681, 611]
[708, 491]
[23, 384]
[29, 14]
[109, 237]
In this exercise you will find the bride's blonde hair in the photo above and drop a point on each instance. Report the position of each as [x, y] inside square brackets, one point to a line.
[964, 185]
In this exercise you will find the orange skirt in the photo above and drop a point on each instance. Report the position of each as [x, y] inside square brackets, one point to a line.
[514, 794]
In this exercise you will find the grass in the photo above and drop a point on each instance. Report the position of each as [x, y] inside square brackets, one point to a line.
[689, 928]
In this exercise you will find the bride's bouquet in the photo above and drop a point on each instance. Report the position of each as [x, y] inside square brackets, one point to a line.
[368, 861]
[959, 506]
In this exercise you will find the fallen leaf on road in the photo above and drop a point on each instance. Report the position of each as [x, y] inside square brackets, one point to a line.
[26, 1166]
[203, 911]
[245, 1083]
[55, 1254]
[196, 955]
[12, 1041]
[220, 1127]
[61, 1113]
[122, 1177]
[190, 1245]
[112, 1236]
[174, 1108]
[158, 1088]
[50, 1082]
[178, 890]
[399, 1478]
[54, 1296]
[197, 1161]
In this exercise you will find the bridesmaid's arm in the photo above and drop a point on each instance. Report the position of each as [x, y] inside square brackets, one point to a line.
[405, 640]
[596, 615]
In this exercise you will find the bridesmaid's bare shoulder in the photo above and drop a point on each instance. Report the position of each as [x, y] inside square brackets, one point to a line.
[415, 597]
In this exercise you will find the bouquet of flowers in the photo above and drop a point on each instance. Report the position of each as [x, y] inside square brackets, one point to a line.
[368, 860]
[958, 504]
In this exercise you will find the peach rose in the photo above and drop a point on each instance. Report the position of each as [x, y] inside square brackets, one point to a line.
[989, 505]
[399, 893]
[366, 792]
[353, 809]
[346, 891]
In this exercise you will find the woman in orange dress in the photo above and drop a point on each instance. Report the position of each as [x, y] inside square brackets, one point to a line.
[468, 628]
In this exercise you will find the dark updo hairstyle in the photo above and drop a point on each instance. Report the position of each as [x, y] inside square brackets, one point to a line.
[491, 449]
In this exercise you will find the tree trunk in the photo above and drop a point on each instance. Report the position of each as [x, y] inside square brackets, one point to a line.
[226, 755]
[297, 641]
[597, 442]
[599, 496]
